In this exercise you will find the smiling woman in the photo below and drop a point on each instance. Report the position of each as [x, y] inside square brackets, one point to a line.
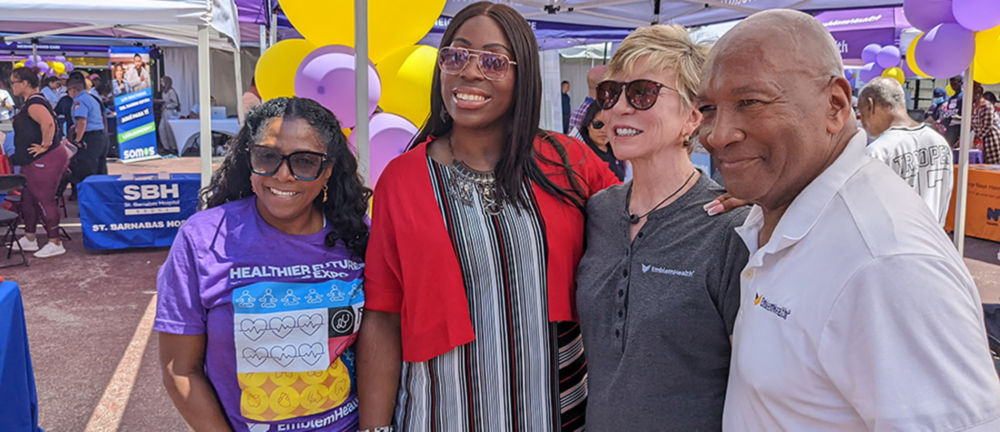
[251, 280]
[477, 233]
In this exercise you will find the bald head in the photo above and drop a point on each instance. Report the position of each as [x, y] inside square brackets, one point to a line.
[788, 41]
[594, 77]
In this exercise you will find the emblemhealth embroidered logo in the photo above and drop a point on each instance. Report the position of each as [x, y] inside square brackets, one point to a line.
[646, 268]
[781, 312]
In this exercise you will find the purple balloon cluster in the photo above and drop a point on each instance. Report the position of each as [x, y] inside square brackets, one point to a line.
[948, 45]
[877, 59]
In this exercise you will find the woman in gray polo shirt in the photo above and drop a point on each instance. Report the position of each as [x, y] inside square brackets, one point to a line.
[658, 287]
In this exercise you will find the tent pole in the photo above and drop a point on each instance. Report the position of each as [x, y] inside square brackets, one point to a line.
[205, 104]
[34, 50]
[274, 28]
[238, 72]
[263, 38]
[963, 164]
[361, 85]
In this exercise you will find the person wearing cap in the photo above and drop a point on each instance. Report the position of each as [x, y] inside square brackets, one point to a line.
[88, 134]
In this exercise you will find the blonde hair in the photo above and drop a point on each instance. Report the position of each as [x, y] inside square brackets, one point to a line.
[664, 47]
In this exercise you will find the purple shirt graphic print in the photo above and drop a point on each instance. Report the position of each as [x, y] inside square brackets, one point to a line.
[280, 313]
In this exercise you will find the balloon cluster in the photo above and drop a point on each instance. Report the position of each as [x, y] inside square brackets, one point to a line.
[957, 33]
[55, 67]
[881, 61]
[321, 67]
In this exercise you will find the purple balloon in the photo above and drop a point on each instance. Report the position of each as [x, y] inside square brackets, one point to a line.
[907, 72]
[888, 57]
[976, 15]
[29, 63]
[927, 14]
[849, 75]
[69, 67]
[945, 51]
[326, 75]
[869, 72]
[390, 134]
[870, 52]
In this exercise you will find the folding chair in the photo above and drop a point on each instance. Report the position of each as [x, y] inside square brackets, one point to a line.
[10, 183]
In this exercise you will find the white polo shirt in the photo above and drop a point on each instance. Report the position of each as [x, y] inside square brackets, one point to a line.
[858, 314]
[923, 159]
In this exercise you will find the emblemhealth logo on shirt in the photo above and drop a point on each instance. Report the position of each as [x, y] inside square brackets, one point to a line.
[646, 268]
[781, 312]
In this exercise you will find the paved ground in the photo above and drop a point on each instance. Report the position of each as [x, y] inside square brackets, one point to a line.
[96, 361]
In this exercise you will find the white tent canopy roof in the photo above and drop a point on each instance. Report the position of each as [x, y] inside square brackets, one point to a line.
[635, 13]
[173, 20]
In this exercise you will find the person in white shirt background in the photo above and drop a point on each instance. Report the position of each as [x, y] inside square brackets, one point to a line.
[53, 90]
[856, 311]
[6, 102]
[915, 151]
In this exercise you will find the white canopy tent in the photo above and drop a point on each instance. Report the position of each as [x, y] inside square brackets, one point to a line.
[205, 23]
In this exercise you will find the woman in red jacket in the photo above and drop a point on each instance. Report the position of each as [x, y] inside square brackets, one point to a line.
[477, 231]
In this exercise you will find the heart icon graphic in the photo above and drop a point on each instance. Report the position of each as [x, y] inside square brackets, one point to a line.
[310, 323]
[283, 355]
[255, 357]
[253, 329]
[282, 326]
[311, 353]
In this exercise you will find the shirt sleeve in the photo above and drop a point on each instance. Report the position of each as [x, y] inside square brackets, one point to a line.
[80, 108]
[383, 281]
[179, 309]
[906, 346]
[734, 256]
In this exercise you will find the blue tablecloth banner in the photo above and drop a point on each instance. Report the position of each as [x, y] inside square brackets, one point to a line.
[19, 406]
[144, 212]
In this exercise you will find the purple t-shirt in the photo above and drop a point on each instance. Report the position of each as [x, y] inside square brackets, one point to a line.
[280, 313]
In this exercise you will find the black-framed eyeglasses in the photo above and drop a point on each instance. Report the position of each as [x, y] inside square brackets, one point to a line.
[494, 66]
[303, 165]
[597, 124]
[641, 94]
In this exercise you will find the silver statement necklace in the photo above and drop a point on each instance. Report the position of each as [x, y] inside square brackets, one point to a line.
[464, 181]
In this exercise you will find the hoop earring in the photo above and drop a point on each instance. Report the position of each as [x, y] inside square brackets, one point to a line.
[325, 187]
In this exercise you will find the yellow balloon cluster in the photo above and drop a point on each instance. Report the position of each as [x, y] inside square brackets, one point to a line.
[405, 69]
[392, 24]
[406, 76]
[58, 68]
[986, 65]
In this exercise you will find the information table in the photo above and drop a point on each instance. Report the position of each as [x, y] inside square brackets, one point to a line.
[19, 410]
[982, 218]
[143, 212]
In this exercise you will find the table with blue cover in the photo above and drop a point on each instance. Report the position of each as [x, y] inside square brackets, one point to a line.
[142, 212]
[19, 409]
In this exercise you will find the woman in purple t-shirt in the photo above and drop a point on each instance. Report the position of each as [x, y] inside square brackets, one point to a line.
[260, 297]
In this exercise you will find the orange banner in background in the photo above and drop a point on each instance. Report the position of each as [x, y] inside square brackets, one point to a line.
[982, 218]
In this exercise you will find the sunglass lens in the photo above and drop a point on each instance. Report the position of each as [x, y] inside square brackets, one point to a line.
[264, 161]
[452, 60]
[494, 66]
[607, 94]
[305, 166]
[642, 94]
[598, 125]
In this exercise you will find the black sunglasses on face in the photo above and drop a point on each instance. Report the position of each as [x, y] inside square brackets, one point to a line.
[303, 165]
[494, 66]
[597, 124]
[641, 94]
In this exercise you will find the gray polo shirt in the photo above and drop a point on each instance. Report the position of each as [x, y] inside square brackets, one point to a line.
[656, 313]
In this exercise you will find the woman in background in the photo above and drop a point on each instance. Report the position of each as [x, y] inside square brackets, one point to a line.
[594, 131]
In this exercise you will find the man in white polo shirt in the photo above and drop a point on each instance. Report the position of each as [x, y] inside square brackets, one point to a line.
[856, 312]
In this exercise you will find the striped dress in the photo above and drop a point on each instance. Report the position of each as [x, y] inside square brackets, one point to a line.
[521, 373]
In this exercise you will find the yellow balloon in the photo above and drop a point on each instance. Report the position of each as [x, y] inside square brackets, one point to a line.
[57, 67]
[986, 65]
[894, 73]
[406, 76]
[19, 64]
[949, 91]
[275, 71]
[911, 57]
[392, 24]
